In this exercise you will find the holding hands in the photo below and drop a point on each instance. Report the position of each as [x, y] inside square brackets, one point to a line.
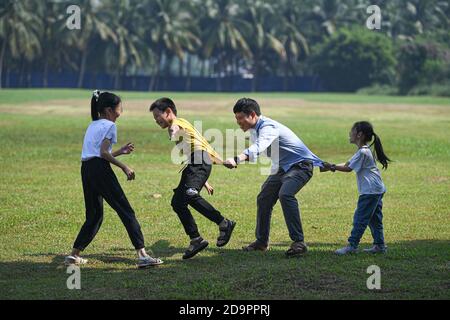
[230, 163]
[328, 167]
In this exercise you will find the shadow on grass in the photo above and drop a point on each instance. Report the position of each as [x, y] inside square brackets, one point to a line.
[413, 269]
[163, 249]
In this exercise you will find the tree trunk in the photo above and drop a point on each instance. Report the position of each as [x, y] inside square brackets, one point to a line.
[29, 75]
[46, 71]
[188, 73]
[219, 74]
[235, 66]
[202, 68]
[255, 76]
[180, 67]
[117, 78]
[155, 77]
[210, 68]
[2, 57]
[82, 68]
[286, 76]
[21, 74]
[8, 78]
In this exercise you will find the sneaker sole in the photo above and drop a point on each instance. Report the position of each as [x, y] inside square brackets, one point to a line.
[346, 254]
[201, 248]
[68, 264]
[149, 265]
[378, 252]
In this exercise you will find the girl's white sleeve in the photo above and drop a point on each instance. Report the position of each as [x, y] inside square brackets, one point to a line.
[356, 162]
[111, 134]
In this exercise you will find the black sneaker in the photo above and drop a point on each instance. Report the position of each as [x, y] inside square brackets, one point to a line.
[195, 247]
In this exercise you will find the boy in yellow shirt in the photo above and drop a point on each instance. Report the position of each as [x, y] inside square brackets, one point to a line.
[195, 176]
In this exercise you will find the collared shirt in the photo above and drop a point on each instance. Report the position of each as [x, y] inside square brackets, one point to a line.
[283, 146]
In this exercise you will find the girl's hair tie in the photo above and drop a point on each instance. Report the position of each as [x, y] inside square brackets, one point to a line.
[96, 94]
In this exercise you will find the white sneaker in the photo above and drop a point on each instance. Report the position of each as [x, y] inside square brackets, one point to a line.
[148, 262]
[346, 250]
[72, 260]
[376, 249]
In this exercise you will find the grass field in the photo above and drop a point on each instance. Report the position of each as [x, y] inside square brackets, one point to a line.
[42, 204]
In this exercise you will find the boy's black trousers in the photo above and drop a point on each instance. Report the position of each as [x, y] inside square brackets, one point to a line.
[100, 182]
[187, 193]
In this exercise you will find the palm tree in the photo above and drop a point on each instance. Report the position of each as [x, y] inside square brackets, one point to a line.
[264, 38]
[127, 48]
[331, 14]
[169, 30]
[409, 18]
[292, 38]
[94, 23]
[20, 31]
[55, 38]
[225, 33]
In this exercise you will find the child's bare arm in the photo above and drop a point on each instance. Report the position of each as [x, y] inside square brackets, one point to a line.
[209, 188]
[126, 149]
[104, 153]
[343, 167]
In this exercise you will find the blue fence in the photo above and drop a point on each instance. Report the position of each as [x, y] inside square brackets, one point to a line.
[142, 83]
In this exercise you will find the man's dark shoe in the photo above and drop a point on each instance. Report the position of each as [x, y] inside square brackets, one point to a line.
[196, 245]
[297, 249]
[256, 246]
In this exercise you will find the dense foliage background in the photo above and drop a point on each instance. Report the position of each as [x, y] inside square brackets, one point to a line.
[218, 38]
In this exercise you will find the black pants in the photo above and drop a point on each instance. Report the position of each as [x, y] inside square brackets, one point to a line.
[187, 193]
[100, 182]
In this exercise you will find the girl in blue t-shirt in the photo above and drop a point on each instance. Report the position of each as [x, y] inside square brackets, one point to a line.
[370, 187]
[100, 182]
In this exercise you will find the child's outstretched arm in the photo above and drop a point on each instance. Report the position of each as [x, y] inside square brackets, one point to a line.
[104, 153]
[126, 149]
[344, 167]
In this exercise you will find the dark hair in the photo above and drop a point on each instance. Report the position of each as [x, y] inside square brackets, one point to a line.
[162, 105]
[247, 106]
[101, 101]
[366, 129]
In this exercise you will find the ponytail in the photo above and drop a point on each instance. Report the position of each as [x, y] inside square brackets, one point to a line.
[380, 155]
[102, 100]
[366, 129]
[94, 101]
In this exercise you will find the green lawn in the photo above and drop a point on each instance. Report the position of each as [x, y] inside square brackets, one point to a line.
[18, 96]
[42, 204]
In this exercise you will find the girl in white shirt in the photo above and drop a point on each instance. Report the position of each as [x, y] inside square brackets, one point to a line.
[100, 182]
[370, 186]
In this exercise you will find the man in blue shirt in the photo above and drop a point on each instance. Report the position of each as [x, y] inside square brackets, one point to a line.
[292, 168]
